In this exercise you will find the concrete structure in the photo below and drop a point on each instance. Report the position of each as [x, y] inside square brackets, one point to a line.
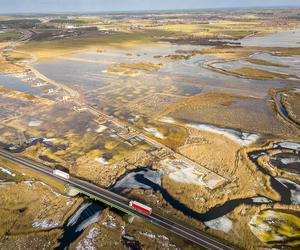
[200, 238]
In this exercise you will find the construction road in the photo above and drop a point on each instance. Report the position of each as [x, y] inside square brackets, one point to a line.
[202, 239]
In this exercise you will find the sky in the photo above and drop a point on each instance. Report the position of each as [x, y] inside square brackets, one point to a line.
[48, 6]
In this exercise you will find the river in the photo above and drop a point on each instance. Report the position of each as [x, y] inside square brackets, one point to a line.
[139, 178]
[87, 214]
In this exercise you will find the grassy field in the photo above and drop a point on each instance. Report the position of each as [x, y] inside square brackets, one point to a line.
[140, 66]
[291, 101]
[47, 49]
[5, 18]
[132, 68]
[16, 56]
[89, 19]
[9, 36]
[274, 227]
[259, 74]
[57, 185]
[7, 67]
[265, 63]
[230, 29]
[121, 71]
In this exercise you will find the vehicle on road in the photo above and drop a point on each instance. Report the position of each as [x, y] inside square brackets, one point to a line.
[140, 207]
[61, 173]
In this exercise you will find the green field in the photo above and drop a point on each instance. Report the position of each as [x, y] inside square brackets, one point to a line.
[9, 36]
[46, 49]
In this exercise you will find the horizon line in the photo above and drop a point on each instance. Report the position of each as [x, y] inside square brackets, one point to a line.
[149, 10]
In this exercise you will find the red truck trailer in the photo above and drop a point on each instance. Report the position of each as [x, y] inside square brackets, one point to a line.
[140, 207]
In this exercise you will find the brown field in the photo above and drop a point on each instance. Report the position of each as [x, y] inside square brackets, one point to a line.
[250, 114]
[43, 212]
[259, 74]
[292, 104]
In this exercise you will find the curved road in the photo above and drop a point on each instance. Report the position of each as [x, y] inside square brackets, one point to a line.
[200, 238]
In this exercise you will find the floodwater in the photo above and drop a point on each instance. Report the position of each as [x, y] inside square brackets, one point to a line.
[86, 71]
[278, 39]
[290, 61]
[281, 106]
[144, 178]
[73, 73]
[292, 66]
[287, 161]
[129, 181]
[87, 214]
[14, 83]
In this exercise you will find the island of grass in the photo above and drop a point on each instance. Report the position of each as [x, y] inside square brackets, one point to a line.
[140, 66]
[259, 74]
[132, 68]
[9, 36]
[265, 63]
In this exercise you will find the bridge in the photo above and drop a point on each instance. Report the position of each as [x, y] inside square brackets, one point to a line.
[202, 239]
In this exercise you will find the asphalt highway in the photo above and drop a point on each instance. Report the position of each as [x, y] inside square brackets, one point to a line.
[202, 239]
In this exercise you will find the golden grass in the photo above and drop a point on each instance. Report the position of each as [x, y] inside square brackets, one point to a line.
[140, 66]
[265, 63]
[89, 19]
[8, 36]
[132, 69]
[17, 56]
[274, 227]
[291, 101]
[121, 71]
[55, 48]
[57, 185]
[7, 67]
[259, 74]
[232, 29]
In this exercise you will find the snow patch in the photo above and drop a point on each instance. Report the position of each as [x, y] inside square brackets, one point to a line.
[262, 227]
[70, 203]
[102, 160]
[110, 222]
[242, 138]
[74, 218]
[155, 132]
[91, 220]
[129, 182]
[51, 189]
[45, 224]
[88, 242]
[192, 175]
[222, 224]
[287, 161]
[35, 123]
[101, 129]
[4, 170]
[188, 172]
[148, 235]
[261, 200]
[49, 139]
[29, 183]
[294, 189]
[290, 145]
[213, 182]
[167, 119]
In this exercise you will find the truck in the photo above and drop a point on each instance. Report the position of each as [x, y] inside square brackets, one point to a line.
[140, 207]
[61, 173]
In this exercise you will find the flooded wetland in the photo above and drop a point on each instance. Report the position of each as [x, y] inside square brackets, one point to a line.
[199, 121]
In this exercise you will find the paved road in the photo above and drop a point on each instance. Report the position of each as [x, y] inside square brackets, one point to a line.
[200, 238]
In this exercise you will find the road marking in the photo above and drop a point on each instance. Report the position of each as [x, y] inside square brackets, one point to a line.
[199, 238]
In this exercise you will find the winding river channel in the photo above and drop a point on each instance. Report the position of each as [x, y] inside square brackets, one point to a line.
[145, 178]
[87, 214]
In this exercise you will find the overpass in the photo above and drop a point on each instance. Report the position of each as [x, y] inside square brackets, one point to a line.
[202, 239]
